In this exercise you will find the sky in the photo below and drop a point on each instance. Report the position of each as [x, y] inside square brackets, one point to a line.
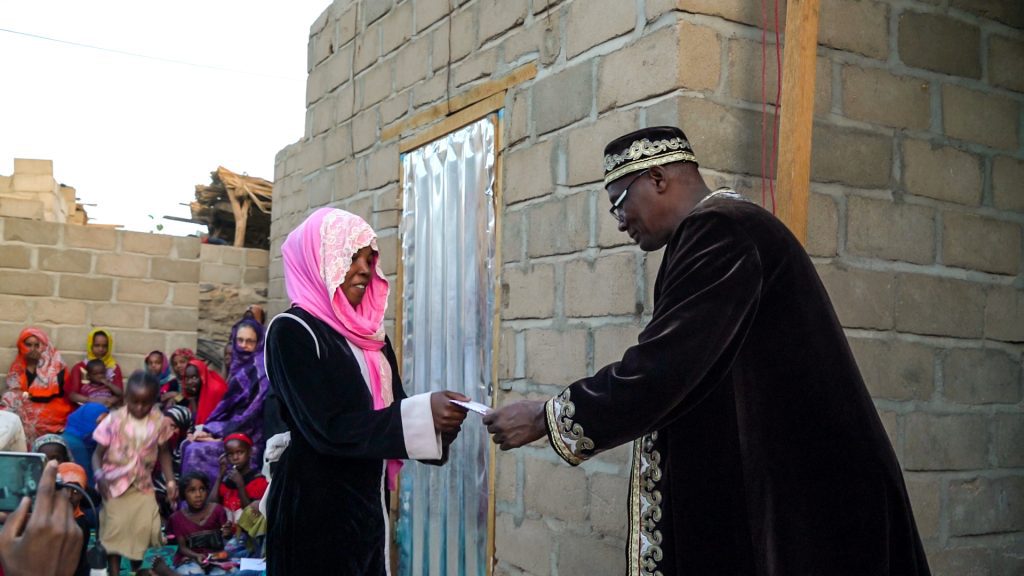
[134, 135]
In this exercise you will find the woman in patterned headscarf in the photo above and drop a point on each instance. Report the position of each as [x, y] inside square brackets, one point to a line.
[35, 386]
[334, 373]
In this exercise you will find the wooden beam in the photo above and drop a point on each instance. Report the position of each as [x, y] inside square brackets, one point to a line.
[454, 122]
[457, 103]
[797, 110]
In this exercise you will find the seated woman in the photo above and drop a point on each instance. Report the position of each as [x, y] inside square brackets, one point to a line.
[241, 408]
[156, 364]
[35, 386]
[179, 361]
[201, 391]
[82, 388]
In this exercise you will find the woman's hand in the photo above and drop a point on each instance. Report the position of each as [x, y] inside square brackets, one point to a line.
[47, 543]
[203, 436]
[448, 417]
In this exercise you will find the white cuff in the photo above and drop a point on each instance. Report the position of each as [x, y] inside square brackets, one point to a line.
[422, 442]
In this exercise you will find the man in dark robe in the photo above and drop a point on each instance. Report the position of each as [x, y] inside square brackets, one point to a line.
[756, 447]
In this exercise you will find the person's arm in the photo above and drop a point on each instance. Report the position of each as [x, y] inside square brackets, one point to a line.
[167, 468]
[46, 542]
[330, 407]
[116, 384]
[78, 398]
[708, 292]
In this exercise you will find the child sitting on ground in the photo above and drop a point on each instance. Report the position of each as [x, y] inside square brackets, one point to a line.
[53, 447]
[200, 529]
[239, 488]
[96, 386]
[129, 442]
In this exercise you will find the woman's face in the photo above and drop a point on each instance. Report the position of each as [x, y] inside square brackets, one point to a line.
[246, 338]
[99, 345]
[358, 275]
[35, 348]
[154, 363]
[178, 363]
[192, 381]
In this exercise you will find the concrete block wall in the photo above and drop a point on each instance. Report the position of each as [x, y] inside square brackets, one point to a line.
[67, 279]
[915, 219]
[230, 280]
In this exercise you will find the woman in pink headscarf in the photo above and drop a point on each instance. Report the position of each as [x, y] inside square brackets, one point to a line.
[336, 378]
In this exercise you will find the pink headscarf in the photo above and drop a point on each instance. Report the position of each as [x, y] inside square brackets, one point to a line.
[317, 255]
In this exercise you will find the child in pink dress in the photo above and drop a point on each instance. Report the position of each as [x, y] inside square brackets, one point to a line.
[129, 443]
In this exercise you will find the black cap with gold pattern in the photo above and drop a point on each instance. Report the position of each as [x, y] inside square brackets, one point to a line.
[644, 148]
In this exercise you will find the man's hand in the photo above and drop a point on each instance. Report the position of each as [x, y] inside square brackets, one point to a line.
[447, 416]
[49, 542]
[517, 424]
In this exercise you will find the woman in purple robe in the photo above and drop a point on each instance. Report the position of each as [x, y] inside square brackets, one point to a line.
[241, 409]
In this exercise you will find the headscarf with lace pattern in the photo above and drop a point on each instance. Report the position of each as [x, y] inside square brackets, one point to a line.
[317, 255]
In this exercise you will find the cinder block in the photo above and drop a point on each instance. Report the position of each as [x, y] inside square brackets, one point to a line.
[429, 11]
[464, 30]
[939, 306]
[625, 75]
[90, 237]
[212, 253]
[220, 274]
[945, 441]
[15, 256]
[185, 295]
[745, 75]
[63, 260]
[479, 65]
[59, 312]
[338, 145]
[941, 172]
[153, 244]
[180, 319]
[581, 555]
[981, 376]
[186, 248]
[980, 243]
[822, 226]
[558, 226]
[1010, 13]
[85, 288]
[1007, 175]
[926, 501]
[987, 119]
[21, 208]
[652, 264]
[1007, 438]
[594, 22]
[895, 370]
[31, 231]
[616, 275]
[177, 340]
[501, 15]
[255, 257]
[611, 343]
[145, 341]
[33, 183]
[27, 283]
[860, 26]
[367, 47]
[376, 84]
[528, 293]
[722, 136]
[585, 145]
[119, 315]
[958, 561]
[142, 291]
[862, 298]
[375, 10]
[940, 43]
[129, 265]
[890, 231]
[608, 500]
[608, 234]
[732, 10]
[412, 63]
[529, 172]
[542, 39]
[254, 276]
[1004, 314]
[429, 91]
[878, 97]
[986, 505]
[13, 309]
[853, 157]
[365, 128]
[1006, 62]
[555, 490]
[512, 237]
[174, 270]
[382, 166]
[31, 166]
[233, 256]
[527, 545]
[555, 356]
[396, 27]
[552, 109]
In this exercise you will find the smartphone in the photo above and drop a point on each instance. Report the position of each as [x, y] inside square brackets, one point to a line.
[19, 477]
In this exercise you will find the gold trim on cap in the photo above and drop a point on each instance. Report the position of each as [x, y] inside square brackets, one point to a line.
[621, 171]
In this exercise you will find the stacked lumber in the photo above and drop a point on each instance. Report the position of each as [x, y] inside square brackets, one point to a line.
[235, 208]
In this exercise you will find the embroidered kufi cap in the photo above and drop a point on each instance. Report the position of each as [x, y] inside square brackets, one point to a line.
[644, 148]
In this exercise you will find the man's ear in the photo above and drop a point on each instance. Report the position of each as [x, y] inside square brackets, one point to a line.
[659, 177]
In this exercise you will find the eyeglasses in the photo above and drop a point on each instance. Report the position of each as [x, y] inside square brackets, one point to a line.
[246, 341]
[616, 209]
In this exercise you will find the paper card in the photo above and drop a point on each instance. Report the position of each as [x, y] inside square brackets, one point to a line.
[253, 564]
[472, 406]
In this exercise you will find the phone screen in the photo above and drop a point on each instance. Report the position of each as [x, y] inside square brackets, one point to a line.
[19, 477]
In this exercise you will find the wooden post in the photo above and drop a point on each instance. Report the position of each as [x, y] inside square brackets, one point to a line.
[797, 110]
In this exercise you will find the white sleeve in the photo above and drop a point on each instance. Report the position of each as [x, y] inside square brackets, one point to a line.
[422, 442]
